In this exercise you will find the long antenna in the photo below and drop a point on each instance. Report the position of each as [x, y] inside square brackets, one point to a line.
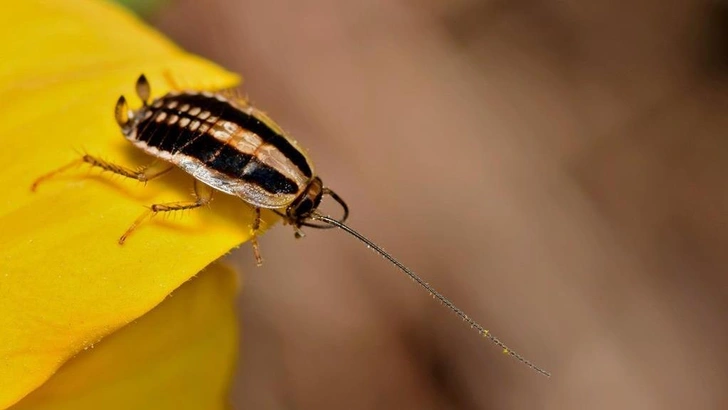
[437, 295]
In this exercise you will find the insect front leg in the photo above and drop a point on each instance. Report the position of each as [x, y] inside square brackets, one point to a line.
[143, 174]
[254, 239]
[200, 200]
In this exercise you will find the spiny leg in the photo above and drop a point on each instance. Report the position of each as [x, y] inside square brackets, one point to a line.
[200, 200]
[254, 239]
[143, 174]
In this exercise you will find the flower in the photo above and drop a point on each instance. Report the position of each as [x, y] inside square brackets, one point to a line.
[65, 283]
[180, 355]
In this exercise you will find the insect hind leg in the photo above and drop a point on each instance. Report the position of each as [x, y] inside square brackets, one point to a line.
[200, 201]
[171, 82]
[143, 174]
[254, 239]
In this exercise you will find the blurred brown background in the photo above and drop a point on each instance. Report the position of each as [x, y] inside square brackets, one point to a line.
[556, 168]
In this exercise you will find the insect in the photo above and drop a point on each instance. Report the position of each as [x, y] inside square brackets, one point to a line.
[232, 147]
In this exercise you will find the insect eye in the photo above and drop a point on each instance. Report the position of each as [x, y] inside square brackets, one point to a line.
[304, 207]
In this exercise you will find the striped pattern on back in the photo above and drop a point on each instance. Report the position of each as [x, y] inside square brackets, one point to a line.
[223, 137]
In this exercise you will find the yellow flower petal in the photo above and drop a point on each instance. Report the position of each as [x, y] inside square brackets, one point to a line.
[65, 283]
[178, 356]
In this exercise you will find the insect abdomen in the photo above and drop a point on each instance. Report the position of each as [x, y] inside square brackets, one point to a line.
[237, 152]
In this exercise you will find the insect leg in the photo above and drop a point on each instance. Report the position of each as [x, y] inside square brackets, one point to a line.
[53, 173]
[254, 239]
[171, 81]
[200, 200]
[143, 174]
